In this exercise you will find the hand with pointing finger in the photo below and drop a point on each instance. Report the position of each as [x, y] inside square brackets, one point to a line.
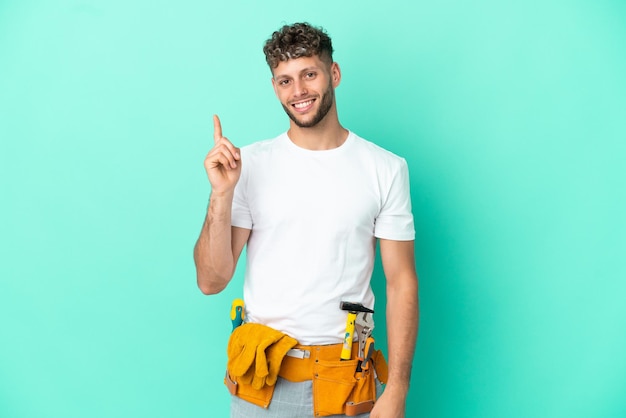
[223, 162]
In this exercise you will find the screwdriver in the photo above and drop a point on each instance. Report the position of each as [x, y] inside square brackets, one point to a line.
[237, 314]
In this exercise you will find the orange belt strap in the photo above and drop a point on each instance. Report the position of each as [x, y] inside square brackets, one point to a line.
[297, 369]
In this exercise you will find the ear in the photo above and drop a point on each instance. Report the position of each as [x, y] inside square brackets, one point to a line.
[335, 74]
[274, 86]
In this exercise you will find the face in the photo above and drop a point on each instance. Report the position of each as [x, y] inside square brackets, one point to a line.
[306, 88]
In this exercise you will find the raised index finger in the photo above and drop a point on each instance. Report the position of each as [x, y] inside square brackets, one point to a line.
[217, 129]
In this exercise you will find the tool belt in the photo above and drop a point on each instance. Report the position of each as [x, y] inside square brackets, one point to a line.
[338, 388]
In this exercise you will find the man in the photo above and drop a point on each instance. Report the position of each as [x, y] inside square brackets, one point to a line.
[310, 206]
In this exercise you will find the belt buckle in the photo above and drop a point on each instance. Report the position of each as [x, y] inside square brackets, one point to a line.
[299, 353]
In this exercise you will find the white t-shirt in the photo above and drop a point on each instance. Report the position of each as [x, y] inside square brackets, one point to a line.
[314, 218]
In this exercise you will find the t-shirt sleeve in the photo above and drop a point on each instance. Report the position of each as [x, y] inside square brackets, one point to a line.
[395, 220]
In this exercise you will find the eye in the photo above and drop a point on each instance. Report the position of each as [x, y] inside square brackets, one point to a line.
[310, 75]
[283, 82]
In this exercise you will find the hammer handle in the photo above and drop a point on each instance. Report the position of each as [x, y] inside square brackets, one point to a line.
[346, 350]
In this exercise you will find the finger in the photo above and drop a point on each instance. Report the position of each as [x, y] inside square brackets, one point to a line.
[229, 145]
[218, 137]
[222, 156]
[233, 149]
[219, 162]
[217, 128]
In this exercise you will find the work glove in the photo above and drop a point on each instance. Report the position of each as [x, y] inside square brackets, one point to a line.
[245, 345]
[267, 363]
[267, 371]
[259, 371]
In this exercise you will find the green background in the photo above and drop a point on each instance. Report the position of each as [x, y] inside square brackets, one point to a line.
[511, 115]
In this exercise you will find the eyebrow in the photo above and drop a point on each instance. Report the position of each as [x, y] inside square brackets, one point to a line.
[304, 70]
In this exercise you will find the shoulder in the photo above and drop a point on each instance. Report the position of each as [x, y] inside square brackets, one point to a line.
[260, 148]
[260, 153]
[379, 155]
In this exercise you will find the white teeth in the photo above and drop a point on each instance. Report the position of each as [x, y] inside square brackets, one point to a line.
[303, 104]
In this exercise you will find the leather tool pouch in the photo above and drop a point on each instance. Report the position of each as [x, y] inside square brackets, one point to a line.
[333, 382]
[337, 389]
[261, 397]
[364, 394]
[380, 365]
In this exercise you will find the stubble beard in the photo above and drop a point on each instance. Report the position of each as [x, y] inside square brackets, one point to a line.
[327, 103]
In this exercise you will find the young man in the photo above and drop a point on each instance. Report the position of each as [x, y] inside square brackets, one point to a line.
[310, 206]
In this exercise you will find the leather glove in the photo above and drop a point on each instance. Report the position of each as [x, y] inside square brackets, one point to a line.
[256, 375]
[244, 344]
[247, 377]
[267, 372]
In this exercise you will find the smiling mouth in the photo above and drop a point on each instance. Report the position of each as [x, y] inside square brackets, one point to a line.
[303, 105]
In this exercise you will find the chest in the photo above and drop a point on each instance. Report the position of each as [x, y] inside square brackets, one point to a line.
[315, 192]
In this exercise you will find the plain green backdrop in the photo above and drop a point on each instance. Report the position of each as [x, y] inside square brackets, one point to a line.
[511, 115]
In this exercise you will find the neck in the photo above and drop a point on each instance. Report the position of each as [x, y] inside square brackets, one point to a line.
[327, 134]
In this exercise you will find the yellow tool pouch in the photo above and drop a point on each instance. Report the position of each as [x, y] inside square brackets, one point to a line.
[333, 383]
[337, 389]
[363, 396]
[380, 365]
[260, 397]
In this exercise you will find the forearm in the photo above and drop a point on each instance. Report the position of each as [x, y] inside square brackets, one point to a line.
[402, 326]
[213, 254]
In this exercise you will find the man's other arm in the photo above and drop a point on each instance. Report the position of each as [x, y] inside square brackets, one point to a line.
[402, 323]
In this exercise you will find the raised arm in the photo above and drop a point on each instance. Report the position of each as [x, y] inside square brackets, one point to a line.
[402, 322]
[219, 246]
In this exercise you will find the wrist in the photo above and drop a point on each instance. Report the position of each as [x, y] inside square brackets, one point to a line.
[218, 194]
[220, 206]
[398, 388]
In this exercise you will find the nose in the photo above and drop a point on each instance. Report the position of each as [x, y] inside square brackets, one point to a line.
[299, 88]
